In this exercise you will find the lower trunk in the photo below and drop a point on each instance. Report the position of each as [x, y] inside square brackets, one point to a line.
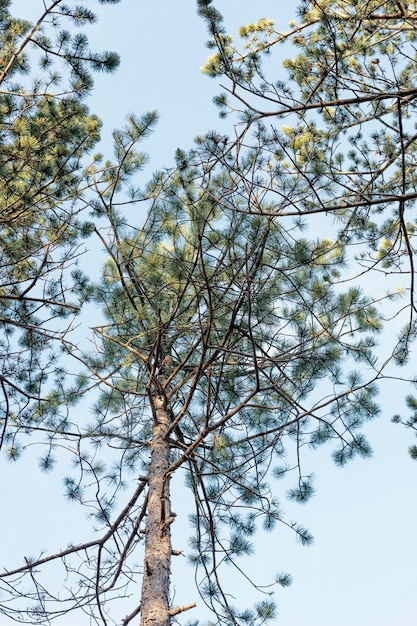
[157, 564]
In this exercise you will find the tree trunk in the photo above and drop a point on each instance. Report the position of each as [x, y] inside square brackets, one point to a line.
[157, 563]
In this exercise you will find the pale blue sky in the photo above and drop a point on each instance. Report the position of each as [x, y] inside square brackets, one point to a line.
[361, 569]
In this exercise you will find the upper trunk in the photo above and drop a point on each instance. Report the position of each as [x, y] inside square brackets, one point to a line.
[157, 563]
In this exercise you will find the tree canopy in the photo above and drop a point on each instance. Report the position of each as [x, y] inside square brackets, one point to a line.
[236, 323]
[47, 132]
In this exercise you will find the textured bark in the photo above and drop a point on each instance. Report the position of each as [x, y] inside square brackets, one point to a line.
[157, 565]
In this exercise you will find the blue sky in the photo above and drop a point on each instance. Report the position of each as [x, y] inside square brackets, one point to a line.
[361, 568]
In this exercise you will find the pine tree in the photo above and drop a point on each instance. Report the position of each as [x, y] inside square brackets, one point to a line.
[47, 131]
[222, 328]
[233, 335]
[338, 125]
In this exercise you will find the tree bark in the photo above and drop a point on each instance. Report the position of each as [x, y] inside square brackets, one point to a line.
[157, 562]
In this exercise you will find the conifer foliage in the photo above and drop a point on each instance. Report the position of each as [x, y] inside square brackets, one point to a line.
[45, 75]
[231, 335]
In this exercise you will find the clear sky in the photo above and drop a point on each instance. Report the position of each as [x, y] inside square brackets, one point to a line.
[361, 569]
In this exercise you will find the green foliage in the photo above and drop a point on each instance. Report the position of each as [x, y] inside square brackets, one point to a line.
[241, 323]
[266, 610]
[409, 422]
[284, 579]
[413, 452]
[47, 134]
[336, 129]
[222, 308]
[303, 492]
[47, 463]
